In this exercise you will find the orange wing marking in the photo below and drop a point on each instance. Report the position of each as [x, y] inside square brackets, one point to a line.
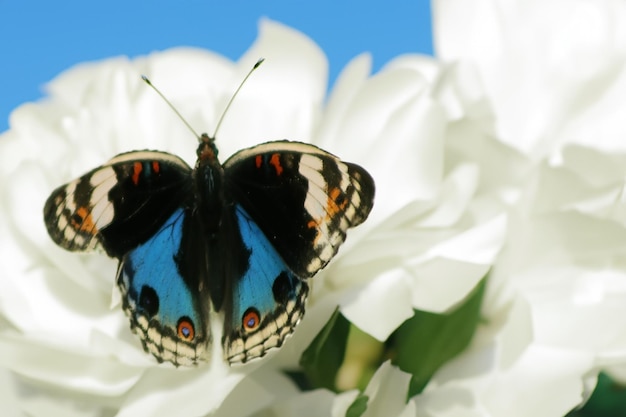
[137, 168]
[275, 162]
[82, 220]
[336, 204]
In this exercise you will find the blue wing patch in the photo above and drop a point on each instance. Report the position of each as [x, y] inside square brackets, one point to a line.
[161, 307]
[268, 300]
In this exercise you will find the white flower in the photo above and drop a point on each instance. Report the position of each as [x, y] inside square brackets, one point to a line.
[435, 230]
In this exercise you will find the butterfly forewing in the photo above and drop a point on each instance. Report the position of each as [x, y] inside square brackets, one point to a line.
[303, 199]
[119, 204]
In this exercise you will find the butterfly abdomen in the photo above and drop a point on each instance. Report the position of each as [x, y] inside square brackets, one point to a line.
[209, 189]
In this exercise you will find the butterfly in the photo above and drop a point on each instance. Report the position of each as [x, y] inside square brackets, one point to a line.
[231, 243]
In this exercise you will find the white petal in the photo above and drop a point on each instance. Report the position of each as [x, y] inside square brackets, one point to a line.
[440, 284]
[71, 369]
[480, 244]
[381, 306]
[387, 392]
[565, 75]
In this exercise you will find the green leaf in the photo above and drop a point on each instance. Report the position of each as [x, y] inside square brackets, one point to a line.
[608, 400]
[322, 359]
[426, 341]
[358, 407]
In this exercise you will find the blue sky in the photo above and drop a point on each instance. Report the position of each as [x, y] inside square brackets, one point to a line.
[39, 39]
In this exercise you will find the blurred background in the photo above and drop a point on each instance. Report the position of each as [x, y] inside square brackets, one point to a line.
[40, 39]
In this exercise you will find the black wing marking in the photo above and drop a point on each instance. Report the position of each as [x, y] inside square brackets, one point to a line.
[303, 199]
[119, 204]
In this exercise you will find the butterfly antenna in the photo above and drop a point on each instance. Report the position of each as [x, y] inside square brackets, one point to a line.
[180, 116]
[219, 122]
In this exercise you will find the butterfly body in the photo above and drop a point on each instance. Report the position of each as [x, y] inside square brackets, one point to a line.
[236, 240]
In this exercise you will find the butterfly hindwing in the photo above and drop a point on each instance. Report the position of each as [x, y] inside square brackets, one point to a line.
[164, 307]
[119, 204]
[267, 300]
[303, 199]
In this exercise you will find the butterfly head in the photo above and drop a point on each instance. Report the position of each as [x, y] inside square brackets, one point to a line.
[207, 150]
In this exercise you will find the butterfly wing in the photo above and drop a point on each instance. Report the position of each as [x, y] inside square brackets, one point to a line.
[163, 303]
[119, 204]
[134, 207]
[293, 204]
[303, 199]
[267, 300]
